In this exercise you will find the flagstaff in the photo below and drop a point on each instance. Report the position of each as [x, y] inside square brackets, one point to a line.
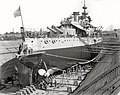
[18, 13]
[21, 18]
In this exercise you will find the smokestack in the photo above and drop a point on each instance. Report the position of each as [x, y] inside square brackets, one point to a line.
[75, 16]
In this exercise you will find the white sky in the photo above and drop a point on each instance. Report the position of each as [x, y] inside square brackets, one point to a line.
[43, 13]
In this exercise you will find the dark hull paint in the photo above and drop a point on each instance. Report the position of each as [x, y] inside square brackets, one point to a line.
[51, 61]
[63, 56]
[61, 62]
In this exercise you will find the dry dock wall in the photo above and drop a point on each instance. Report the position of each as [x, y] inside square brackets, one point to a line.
[104, 79]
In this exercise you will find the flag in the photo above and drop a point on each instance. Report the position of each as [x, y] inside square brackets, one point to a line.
[17, 12]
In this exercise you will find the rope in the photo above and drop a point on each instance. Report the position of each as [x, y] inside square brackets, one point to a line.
[96, 58]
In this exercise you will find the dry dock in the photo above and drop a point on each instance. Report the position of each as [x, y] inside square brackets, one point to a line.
[104, 79]
[62, 84]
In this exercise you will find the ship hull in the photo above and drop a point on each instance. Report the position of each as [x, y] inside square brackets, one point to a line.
[65, 57]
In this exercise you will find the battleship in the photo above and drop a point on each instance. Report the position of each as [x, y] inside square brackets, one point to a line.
[74, 41]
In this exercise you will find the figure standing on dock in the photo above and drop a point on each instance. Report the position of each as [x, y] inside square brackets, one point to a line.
[20, 48]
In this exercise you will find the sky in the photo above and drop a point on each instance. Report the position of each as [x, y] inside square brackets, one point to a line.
[44, 13]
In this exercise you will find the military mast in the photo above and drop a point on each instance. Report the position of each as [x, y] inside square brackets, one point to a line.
[84, 12]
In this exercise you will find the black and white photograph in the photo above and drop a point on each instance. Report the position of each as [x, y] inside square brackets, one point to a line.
[59, 47]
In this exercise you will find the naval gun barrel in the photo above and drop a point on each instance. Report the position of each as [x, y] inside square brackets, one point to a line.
[59, 30]
[53, 30]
